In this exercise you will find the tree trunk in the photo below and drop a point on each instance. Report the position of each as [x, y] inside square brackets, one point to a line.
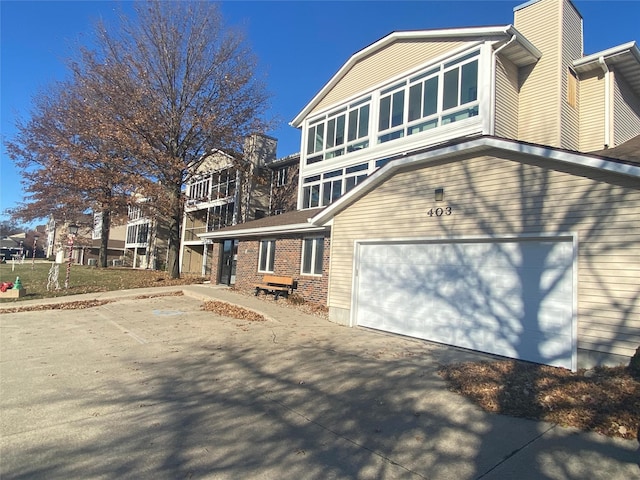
[175, 221]
[105, 229]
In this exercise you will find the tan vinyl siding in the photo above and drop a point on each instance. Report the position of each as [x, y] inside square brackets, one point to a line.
[506, 113]
[540, 91]
[386, 63]
[592, 112]
[571, 50]
[492, 197]
[626, 111]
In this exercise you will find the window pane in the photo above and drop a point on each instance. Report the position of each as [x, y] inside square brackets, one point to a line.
[398, 109]
[326, 193]
[469, 87]
[415, 102]
[319, 137]
[353, 125]
[450, 89]
[307, 247]
[315, 196]
[340, 130]
[430, 97]
[263, 255]
[319, 255]
[311, 139]
[331, 132]
[363, 128]
[336, 190]
[306, 197]
[272, 254]
[385, 113]
[358, 168]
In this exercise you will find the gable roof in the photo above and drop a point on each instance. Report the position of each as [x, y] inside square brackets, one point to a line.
[521, 52]
[290, 222]
[465, 146]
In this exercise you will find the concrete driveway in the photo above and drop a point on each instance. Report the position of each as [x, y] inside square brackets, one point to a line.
[156, 388]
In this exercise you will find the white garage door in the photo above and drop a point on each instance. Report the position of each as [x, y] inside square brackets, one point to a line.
[510, 298]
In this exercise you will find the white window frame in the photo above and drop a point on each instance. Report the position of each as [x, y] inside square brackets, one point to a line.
[313, 263]
[282, 176]
[270, 255]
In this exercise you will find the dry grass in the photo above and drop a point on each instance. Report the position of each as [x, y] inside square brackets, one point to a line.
[604, 400]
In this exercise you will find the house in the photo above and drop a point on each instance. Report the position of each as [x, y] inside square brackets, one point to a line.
[86, 242]
[223, 191]
[447, 192]
[146, 243]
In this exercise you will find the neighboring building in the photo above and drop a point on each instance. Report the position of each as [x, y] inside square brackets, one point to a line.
[86, 243]
[284, 184]
[225, 191]
[447, 173]
[146, 243]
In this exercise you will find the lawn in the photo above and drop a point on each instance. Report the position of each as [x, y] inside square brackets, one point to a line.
[84, 279]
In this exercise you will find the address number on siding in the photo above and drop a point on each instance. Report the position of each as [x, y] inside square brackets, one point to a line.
[439, 212]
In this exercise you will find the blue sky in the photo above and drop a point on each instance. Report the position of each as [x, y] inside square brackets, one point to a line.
[299, 44]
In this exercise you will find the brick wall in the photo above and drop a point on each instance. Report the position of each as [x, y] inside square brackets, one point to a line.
[216, 257]
[287, 262]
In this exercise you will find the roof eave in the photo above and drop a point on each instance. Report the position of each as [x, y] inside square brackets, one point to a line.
[263, 231]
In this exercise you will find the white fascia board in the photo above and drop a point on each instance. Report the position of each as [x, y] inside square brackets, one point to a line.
[252, 232]
[392, 37]
[478, 144]
[631, 47]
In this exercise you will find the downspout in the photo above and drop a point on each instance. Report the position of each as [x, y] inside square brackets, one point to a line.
[493, 83]
[607, 102]
[270, 193]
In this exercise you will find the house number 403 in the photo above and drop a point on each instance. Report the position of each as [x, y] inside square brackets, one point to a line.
[438, 212]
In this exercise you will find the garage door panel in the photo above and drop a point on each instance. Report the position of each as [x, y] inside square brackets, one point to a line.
[510, 298]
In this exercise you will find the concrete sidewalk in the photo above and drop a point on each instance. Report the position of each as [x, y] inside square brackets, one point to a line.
[157, 388]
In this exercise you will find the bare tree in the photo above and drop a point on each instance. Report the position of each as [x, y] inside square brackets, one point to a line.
[70, 162]
[175, 84]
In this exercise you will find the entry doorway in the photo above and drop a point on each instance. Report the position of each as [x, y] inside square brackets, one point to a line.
[228, 262]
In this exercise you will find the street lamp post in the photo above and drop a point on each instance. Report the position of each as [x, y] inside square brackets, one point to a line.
[73, 229]
[33, 259]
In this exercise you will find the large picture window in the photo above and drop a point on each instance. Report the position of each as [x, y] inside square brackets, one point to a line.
[267, 256]
[312, 255]
[440, 95]
[341, 131]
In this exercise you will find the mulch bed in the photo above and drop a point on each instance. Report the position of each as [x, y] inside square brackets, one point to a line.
[604, 399]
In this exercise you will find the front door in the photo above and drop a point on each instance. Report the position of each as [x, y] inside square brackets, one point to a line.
[228, 263]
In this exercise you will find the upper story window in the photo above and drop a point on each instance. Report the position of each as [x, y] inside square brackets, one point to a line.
[199, 189]
[214, 185]
[322, 190]
[436, 97]
[282, 176]
[138, 233]
[134, 212]
[341, 131]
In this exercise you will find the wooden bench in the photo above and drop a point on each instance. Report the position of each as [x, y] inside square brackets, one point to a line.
[277, 285]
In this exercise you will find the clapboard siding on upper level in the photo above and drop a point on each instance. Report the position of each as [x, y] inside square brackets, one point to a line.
[540, 93]
[513, 196]
[626, 121]
[592, 112]
[571, 48]
[507, 89]
[388, 62]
